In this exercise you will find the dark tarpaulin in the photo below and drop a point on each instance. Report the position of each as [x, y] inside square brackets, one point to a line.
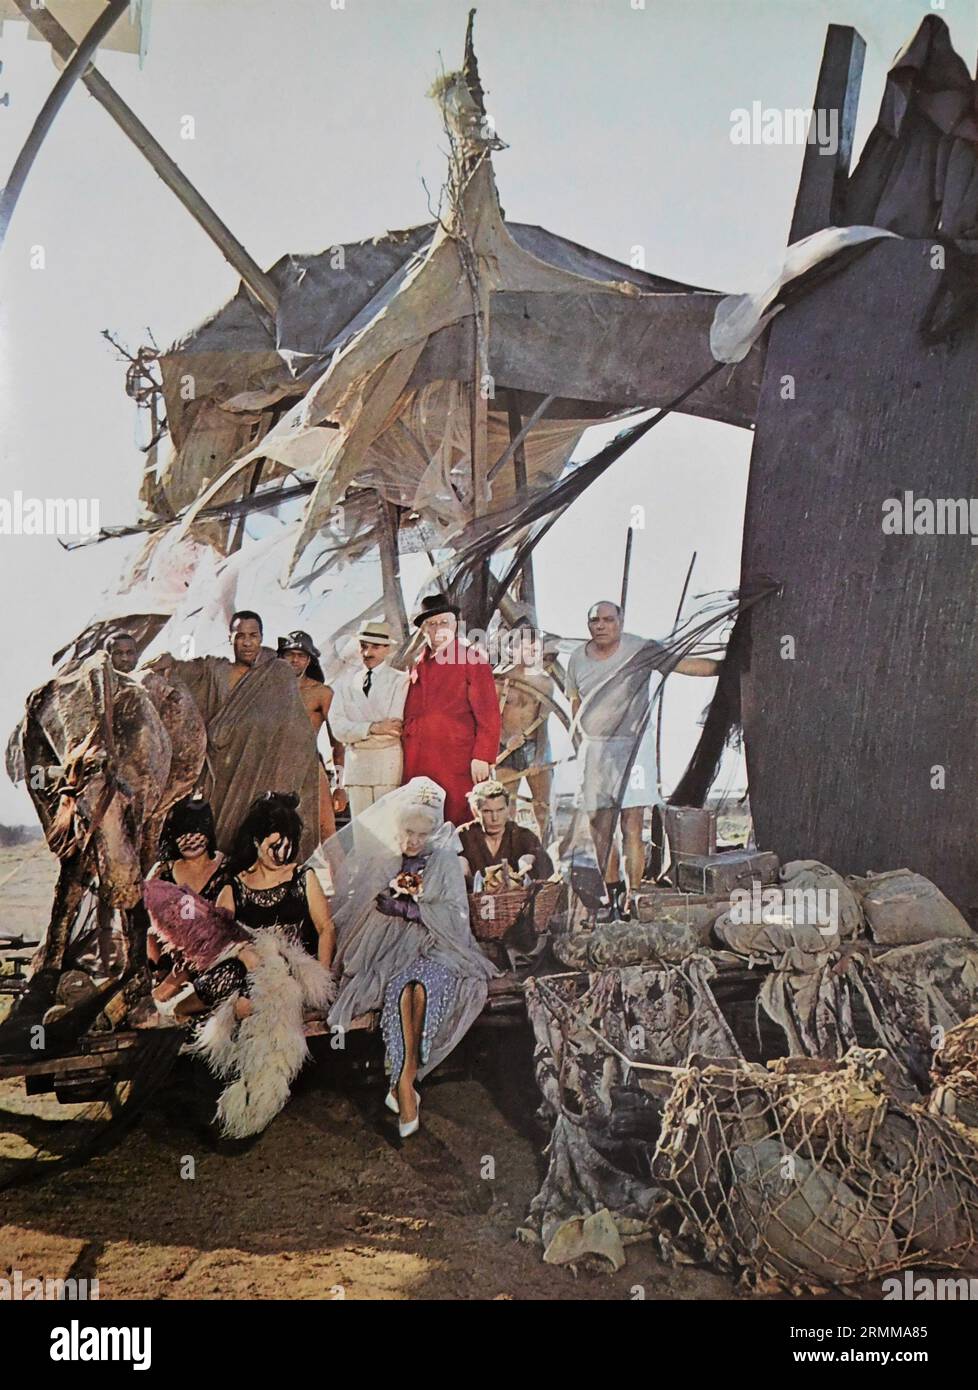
[633, 353]
[918, 174]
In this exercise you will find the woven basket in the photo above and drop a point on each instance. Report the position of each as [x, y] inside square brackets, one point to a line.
[492, 914]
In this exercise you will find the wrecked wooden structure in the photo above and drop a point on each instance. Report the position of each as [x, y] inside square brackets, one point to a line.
[788, 1103]
[425, 391]
[860, 719]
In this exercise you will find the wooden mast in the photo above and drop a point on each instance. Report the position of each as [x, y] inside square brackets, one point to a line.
[482, 386]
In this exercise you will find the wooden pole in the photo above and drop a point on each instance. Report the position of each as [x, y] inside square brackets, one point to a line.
[237, 539]
[480, 403]
[822, 187]
[528, 591]
[390, 566]
[662, 692]
[624, 572]
[64, 45]
[515, 442]
[56, 99]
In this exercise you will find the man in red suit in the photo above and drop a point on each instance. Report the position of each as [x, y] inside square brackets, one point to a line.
[451, 716]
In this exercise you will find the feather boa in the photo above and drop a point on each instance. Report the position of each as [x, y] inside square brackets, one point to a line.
[261, 1055]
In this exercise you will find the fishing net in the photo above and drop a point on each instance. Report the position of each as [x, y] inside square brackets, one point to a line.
[587, 1028]
[806, 1172]
[811, 1173]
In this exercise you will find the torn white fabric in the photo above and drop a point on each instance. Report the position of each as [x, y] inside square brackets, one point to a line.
[740, 319]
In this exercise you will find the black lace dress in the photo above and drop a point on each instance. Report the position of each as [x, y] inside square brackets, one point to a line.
[283, 906]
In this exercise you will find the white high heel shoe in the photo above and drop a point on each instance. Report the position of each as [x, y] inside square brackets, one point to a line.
[406, 1128]
[390, 1100]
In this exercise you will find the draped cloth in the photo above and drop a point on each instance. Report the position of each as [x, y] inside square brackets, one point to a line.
[372, 948]
[259, 739]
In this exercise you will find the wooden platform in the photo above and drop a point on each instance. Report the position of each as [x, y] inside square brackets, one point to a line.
[109, 1057]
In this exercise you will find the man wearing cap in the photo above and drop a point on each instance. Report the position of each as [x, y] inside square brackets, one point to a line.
[366, 716]
[451, 715]
[302, 655]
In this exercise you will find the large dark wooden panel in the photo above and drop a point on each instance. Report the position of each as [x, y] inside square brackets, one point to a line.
[884, 685]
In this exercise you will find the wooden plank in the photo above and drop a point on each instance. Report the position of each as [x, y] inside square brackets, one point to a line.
[822, 186]
[104, 1052]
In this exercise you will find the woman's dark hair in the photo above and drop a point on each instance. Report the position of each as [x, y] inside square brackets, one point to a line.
[191, 816]
[270, 812]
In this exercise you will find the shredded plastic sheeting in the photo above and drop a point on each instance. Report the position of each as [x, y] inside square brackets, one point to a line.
[469, 304]
[740, 319]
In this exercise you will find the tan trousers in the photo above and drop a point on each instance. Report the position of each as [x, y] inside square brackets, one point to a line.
[362, 797]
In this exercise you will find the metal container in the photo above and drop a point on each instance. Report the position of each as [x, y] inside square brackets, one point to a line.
[691, 830]
[722, 873]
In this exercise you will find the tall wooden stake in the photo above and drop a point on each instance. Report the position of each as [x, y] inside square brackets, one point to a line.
[662, 690]
[528, 592]
[624, 573]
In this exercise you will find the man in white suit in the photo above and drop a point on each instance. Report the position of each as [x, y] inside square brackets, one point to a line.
[366, 716]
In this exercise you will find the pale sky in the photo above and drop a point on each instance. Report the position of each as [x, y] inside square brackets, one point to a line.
[312, 128]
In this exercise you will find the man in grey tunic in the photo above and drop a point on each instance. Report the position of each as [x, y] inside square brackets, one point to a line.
[608, 680]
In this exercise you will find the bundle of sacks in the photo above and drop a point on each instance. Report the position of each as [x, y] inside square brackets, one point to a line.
[813, 909]
[810, 911]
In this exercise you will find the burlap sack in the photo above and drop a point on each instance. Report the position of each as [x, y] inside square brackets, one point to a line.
[904, 909]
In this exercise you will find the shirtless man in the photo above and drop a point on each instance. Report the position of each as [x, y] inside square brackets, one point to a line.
[524, 744]
[298, 650]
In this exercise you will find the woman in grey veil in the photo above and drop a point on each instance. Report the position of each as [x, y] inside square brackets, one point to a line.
[404, 945]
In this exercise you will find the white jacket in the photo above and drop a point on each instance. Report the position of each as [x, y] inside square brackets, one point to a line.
[371, 760]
